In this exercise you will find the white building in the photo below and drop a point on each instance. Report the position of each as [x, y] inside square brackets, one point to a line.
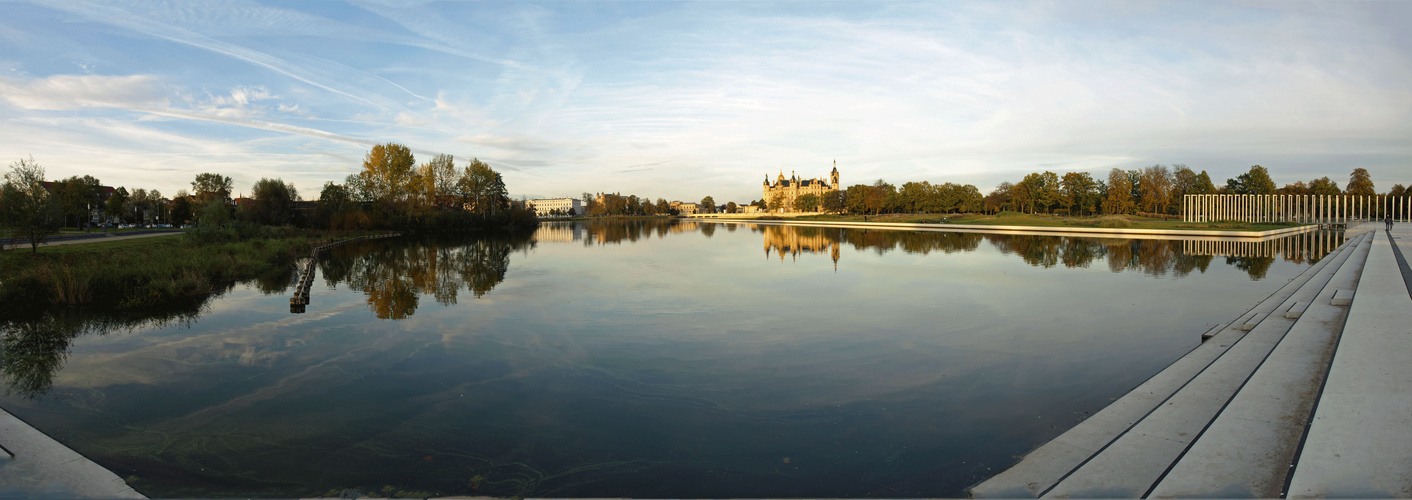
[543, 207]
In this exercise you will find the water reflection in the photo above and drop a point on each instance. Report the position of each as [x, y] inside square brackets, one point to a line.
[33, 346]
[394, 275]
[1176, 257]
[679, 366]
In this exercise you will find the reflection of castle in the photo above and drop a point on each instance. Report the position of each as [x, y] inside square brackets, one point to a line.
[787, 190]
[790, 240]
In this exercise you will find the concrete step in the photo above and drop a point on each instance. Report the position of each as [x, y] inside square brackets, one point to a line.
[1246, 450]
[1358, 443]
[1134, 462]
[1342, 298]
[1296, 310]
[1043, 468]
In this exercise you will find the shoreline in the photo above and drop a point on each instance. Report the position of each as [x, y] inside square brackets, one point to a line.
[1042, 230]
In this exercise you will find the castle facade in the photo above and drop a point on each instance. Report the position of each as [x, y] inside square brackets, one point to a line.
[791, 188]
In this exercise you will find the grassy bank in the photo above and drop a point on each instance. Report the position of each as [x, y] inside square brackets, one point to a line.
[145, 272]
[1019, 219]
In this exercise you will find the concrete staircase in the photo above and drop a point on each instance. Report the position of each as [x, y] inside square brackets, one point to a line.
[1230, 418]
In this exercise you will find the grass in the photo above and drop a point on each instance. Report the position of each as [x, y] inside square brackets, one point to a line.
[143, 272]
[1020, 219]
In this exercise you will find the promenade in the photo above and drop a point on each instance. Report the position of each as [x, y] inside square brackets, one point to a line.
[1305, 395]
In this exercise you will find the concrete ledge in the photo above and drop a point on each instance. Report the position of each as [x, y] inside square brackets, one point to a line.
[1213, 331]
[1297, 310]
[41, 464]
[1342, 298]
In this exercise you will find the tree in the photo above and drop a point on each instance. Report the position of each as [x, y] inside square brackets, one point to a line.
[1397, 191]
[1256, 181]
[273, 202]
[1203, 184]
[708, 205]
[832, 200]
[1156, 188]
[214, 214]
[776, 203]
[1323, 186]
[1360, 183]
[806, 203]
[180, 209]
[77, 195]
[389, 174]
[1119, 200]
[1080, 191]
[29, 211]
[116, 203]
[731, 207]
[880, 197]
[437, 179]
[999, 198]
[483, 189]
[209, 185]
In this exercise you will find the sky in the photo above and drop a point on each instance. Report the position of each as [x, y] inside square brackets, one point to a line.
[680, 100]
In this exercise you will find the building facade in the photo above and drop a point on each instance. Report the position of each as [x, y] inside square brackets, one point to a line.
[787, 189]
[544, 207]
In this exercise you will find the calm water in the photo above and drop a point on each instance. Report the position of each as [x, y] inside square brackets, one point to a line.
[635, 359]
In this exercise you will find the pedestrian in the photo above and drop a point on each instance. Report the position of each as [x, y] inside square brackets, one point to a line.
[1387, 219]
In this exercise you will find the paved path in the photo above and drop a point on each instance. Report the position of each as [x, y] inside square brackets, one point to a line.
[93, 239]
[1306, 393]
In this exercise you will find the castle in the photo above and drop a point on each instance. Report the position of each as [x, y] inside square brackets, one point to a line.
[788, 189]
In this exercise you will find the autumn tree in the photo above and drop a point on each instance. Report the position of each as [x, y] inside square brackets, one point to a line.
[389, 175]
[436, 179]
[1079, 191]
[1156, 188]
[708, 205]
[1119, 200]
[1323, 186]
[28, 211]
[1360, 183]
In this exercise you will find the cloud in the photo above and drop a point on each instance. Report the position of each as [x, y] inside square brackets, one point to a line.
[67, 92]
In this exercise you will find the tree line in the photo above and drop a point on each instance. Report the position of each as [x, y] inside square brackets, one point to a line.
[390, 191]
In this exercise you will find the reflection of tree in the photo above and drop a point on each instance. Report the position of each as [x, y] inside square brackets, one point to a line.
[616, 231]
[33, 346]
[1152, 257]
[394, 275]
[1256, 267]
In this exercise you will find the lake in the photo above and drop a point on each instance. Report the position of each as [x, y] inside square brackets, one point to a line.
[636, 359]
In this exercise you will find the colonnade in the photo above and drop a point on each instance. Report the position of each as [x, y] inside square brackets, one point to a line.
[1303, 209]
[1308, 245]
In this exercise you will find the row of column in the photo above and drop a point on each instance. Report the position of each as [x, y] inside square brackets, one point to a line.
[1307, 245]
[1338, 209]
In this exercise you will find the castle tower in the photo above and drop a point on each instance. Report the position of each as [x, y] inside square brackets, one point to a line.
[833, 177]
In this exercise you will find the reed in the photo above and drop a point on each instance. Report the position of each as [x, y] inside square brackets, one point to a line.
[145, 272]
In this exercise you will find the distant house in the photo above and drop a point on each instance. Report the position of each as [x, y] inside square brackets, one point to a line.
[545, 206]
